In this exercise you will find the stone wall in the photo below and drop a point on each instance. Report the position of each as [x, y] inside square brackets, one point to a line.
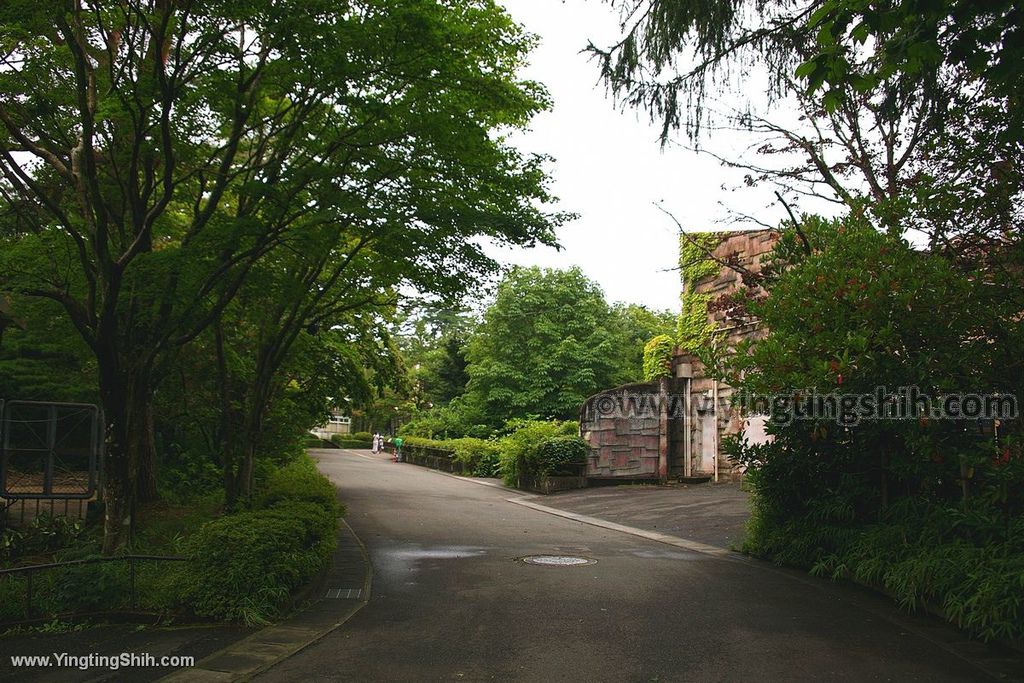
[710, 420]
[624, 429]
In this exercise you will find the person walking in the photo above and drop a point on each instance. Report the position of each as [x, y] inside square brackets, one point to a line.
[398, 441]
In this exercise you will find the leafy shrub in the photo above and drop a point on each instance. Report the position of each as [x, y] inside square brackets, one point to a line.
[299, 481]
[558, 456]
[44, 535]
[419, 442]
[518, 447]
[479, 456]
[362, 436]
[456, 420]
[92, 587]
[243, 566]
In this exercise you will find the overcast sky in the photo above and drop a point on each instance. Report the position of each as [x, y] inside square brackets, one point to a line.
[609, 167]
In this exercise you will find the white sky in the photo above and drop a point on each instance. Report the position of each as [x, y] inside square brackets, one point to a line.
[609, 167]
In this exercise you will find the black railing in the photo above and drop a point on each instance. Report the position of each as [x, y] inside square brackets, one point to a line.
[30, 571]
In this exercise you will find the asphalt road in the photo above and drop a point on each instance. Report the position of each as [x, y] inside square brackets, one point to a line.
[452, 601]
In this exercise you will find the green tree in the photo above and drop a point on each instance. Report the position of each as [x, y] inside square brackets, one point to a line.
[636, 325]
[172, 145]
[543, 347]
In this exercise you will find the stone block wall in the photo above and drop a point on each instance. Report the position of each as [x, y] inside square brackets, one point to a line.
[710, 422]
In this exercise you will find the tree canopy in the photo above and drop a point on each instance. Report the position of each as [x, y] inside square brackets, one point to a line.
[160, 158]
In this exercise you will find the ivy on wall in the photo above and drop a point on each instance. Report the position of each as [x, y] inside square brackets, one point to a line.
[694, 331]
[658, 357]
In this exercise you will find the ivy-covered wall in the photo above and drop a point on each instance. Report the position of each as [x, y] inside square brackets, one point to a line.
[694, 330]
[658, 357]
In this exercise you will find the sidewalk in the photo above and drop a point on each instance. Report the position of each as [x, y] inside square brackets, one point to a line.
[713, 514]
[221, 652]
[112, 640]
[341, 592]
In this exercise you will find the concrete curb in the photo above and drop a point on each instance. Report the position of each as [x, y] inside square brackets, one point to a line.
[722, 553]
[252, 655]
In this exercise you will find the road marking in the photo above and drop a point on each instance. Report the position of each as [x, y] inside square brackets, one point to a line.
[527, 501]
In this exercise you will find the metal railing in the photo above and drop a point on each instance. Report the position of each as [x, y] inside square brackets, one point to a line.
[30, 571]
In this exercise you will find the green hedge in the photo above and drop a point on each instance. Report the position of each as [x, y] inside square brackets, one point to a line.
[559, 456]
[352, 440]
[244, 566]
[531, 449]
[519, 447]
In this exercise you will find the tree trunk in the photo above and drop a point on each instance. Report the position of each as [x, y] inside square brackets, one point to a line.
[130, 456]
[143, 439]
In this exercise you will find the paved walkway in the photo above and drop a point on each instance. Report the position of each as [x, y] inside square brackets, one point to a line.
[661, 599]
[454, 600]
[112, 640]
[714, 514]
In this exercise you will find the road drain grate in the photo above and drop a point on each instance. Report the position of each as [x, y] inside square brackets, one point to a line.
[557, 560]
[344, 593]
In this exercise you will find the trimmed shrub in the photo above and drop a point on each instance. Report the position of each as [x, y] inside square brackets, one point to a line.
[299, 481]
[559, 456]
[362, 436]
[518, 448]
[352, 440]
[244, 566]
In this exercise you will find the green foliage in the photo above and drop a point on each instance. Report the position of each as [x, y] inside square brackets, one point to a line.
[243, 566]
[362, 436]
[42, 358]
[559, 456]
[519, 456]
[633, 327]
[349, 441]
[917, 552]
[479, 456]
[925, 508]
[46, 534]
[693, 330]
[543, 347]
[658, 357]
[274, 276]
[299, 481]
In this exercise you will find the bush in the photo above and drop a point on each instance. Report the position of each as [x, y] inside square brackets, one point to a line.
[299, 481]
[518, 447]
[479, 456]
[362, 436]
[559, 456]
[244, 566]
[350, 440]
[46, 534]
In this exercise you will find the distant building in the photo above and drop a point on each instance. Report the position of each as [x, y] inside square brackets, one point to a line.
[336, 424]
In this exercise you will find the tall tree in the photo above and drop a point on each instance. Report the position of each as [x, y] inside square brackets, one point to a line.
[872, 84]
[153, 151]
[543, 347]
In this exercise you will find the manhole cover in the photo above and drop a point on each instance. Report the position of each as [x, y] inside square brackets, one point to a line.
[557, 560]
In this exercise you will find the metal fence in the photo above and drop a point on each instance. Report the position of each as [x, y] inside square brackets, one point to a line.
[30, 571]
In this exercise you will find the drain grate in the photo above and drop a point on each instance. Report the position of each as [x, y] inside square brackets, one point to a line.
[344, 593]
[557, 560]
